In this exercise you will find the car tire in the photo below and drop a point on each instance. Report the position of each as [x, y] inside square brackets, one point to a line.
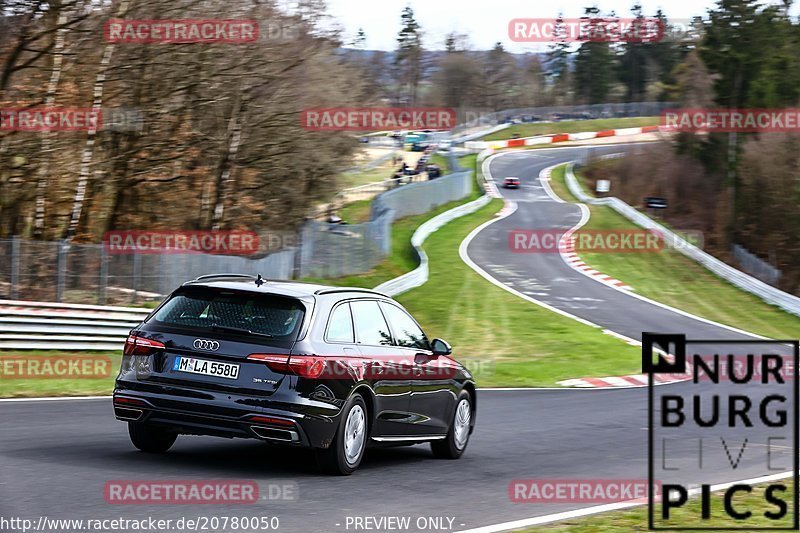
[453, 446]
[347, 449]
[151, 439]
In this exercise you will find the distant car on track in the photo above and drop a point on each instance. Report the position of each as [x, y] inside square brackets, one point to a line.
[297, 364]
[511, 183]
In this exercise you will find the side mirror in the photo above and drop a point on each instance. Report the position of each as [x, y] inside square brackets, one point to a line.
[440, 347]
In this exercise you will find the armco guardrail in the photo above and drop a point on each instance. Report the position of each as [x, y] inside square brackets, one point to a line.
[419, 276]
[768, 293]
[53, 326]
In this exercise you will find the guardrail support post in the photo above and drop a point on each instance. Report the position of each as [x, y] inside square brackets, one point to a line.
[297, 257]
[15, 259]
[137, 273]
[61, 269]
[103, 282]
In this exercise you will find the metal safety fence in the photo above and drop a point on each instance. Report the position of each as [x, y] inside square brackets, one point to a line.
[91, 273]
[771, 295]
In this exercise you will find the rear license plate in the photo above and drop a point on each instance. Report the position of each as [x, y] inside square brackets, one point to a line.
[206, 368]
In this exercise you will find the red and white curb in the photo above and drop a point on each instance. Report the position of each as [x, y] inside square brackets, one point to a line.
[566, 246]
[508, 208]
[623, 382]
[560, 137]
[575, 262]
[630, 380]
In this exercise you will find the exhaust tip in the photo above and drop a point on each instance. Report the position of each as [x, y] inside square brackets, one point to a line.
[283, 435]
[126, 413]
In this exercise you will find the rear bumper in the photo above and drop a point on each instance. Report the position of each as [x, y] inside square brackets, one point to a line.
[193, 412]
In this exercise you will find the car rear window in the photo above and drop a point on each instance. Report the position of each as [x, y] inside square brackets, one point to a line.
[204, 309]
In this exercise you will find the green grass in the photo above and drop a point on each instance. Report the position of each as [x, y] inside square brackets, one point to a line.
[509, 341]
[13, 387]
[506, 340]
[571, 126]
[635, 519]
[402, 258]
[356, 212]
[672, 278]
[442, 161]
[347, 180]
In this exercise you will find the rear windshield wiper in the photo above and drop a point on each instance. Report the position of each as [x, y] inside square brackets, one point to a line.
[243, 331]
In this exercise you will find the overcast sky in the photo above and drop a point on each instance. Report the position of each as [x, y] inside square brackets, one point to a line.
[485, 21]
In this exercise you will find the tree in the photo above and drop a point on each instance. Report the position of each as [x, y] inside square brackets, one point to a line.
[360, 40]
[635, 61]
[594, 63]
[558, 62]
[408, 59]
[499, 76]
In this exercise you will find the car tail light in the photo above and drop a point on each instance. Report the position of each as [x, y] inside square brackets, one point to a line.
[276, 363]
[305, 366]
[271, 420]
[119, 400]
[135, 345]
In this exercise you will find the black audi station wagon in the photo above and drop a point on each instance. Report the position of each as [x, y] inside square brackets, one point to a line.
[333, 369]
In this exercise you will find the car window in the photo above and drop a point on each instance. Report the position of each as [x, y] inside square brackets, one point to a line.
[407, 333]
[204, 309]
[340, 326]
[371, 327]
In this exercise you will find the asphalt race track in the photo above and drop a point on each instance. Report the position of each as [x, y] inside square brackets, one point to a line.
[545, 276]
[56, 456]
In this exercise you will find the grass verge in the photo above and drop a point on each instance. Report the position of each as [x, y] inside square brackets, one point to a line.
[635, 519]
[40, 383]
[571, 126]
[504, 339]
[674, 279]
[356, 212]
[402, 258]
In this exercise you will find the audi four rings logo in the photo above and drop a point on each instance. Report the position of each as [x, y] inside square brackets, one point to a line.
[207, 345]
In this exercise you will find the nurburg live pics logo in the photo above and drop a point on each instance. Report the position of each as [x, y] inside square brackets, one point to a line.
[717, 429]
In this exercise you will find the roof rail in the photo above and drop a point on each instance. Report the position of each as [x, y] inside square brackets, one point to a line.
[212, 276]
[350, 289]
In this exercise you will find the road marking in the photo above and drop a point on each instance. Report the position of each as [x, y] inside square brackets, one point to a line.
[482, 389]
[653, 302]
[588, 511]
[462, 252]
[686, 313]
[54, 398]
[569, 256]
